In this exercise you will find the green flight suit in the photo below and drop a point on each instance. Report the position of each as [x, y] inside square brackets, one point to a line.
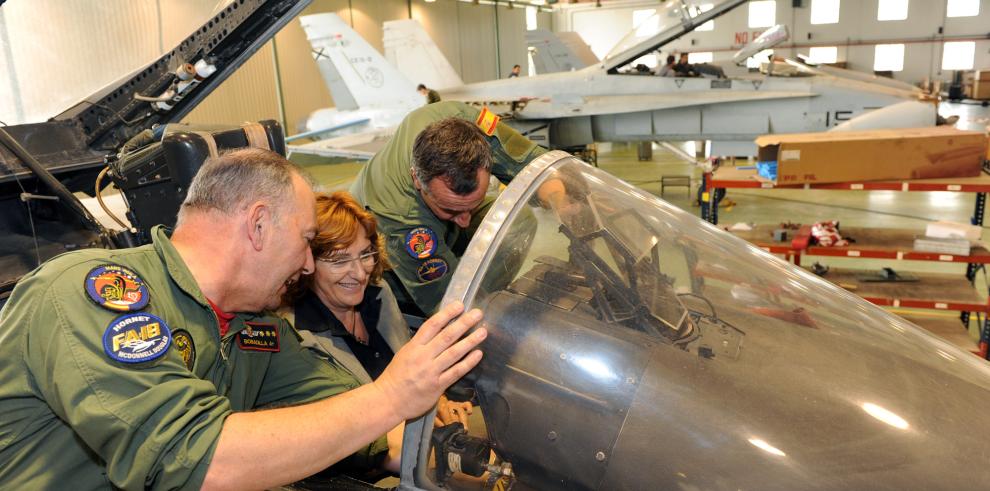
[385, 187]
[71, 417]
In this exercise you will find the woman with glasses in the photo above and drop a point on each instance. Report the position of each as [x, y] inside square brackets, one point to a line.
[345, 311]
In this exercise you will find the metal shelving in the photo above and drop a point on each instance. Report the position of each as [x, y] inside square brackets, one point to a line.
[931, 291]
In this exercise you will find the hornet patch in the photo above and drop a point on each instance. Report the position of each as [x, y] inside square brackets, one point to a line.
[421, 242]
[432, 269]
[258, 337]
[136, 338]
[117, 288]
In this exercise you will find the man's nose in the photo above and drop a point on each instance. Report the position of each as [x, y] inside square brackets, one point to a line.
[463, 219]
[310, 265]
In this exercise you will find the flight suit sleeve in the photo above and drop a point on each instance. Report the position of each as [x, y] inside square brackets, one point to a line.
[153, 423]
[297, 376]
[424, 278]
[512, 152]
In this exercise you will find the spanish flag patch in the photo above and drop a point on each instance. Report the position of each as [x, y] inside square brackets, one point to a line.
[487, 121]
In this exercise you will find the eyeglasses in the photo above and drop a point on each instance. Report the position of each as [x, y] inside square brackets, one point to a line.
[367, 260]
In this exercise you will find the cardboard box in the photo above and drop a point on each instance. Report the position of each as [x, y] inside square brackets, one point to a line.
[981, 89]
[913, 153]
[982, 75]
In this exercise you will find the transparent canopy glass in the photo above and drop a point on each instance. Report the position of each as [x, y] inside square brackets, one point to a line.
[633, 346]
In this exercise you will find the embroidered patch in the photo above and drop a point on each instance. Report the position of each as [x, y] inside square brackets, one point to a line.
[487, 121]
[421, 242]
[258, 337]
[117, 288]
[432, 269]
[136, 338]
[184, 343]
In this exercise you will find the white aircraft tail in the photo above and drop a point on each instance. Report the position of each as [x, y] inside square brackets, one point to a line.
[561, 52]
[410, 48]
[356, 74]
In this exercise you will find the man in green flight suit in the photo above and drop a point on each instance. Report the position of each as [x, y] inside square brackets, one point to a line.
[428, 186]
[148, 368]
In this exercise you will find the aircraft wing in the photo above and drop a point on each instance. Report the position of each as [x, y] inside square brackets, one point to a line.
[564, 106]
[360, 146]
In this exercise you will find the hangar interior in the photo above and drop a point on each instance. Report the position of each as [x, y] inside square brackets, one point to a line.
[712, 141]
[939, 45]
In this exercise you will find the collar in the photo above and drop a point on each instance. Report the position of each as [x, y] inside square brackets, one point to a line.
[160, 236]
[313, 316]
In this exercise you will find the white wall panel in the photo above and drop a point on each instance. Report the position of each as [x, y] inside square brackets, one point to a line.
[42, 72]
[855, 34]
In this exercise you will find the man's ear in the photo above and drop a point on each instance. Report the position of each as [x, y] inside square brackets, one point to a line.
[259, 223]
[416, 183]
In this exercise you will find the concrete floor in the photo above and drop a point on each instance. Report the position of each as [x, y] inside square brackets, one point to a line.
[875, 209]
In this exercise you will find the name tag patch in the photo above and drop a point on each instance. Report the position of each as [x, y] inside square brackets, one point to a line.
[258, 337]
[116, 288]
[136, 338]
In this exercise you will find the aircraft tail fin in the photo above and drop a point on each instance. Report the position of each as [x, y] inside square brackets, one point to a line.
[410, 48]
[561, 52]
[356, 74]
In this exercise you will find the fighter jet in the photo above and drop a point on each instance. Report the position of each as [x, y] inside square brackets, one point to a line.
[603, 102]
[633, 346]
[371, 96]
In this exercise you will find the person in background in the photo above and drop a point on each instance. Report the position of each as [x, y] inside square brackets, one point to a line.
[668, 69]
[683, 68]
[515, 71]
[430, 94]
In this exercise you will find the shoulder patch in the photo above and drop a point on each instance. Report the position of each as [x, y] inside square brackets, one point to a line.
[421, 242]
[487, 121]
[184, 343]
[136, 338]
[116, 288]
[258, 337]
[432, 269]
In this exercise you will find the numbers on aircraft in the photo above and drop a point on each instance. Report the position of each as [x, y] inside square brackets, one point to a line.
[361, 59]
[834, 118]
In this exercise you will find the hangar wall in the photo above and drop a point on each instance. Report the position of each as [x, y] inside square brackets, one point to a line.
[482, 42]
[855, 35]
[42, 72]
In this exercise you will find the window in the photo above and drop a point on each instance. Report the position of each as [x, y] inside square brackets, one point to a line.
[958, 55]
[888, 57]
[759, 58]
[962, 8]
[531, 18]
[700, 57]
[892, 10]
[646, 22]
[824, 11]
[707, 26]
[762, 14]
[823, 54]
[649, 60]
